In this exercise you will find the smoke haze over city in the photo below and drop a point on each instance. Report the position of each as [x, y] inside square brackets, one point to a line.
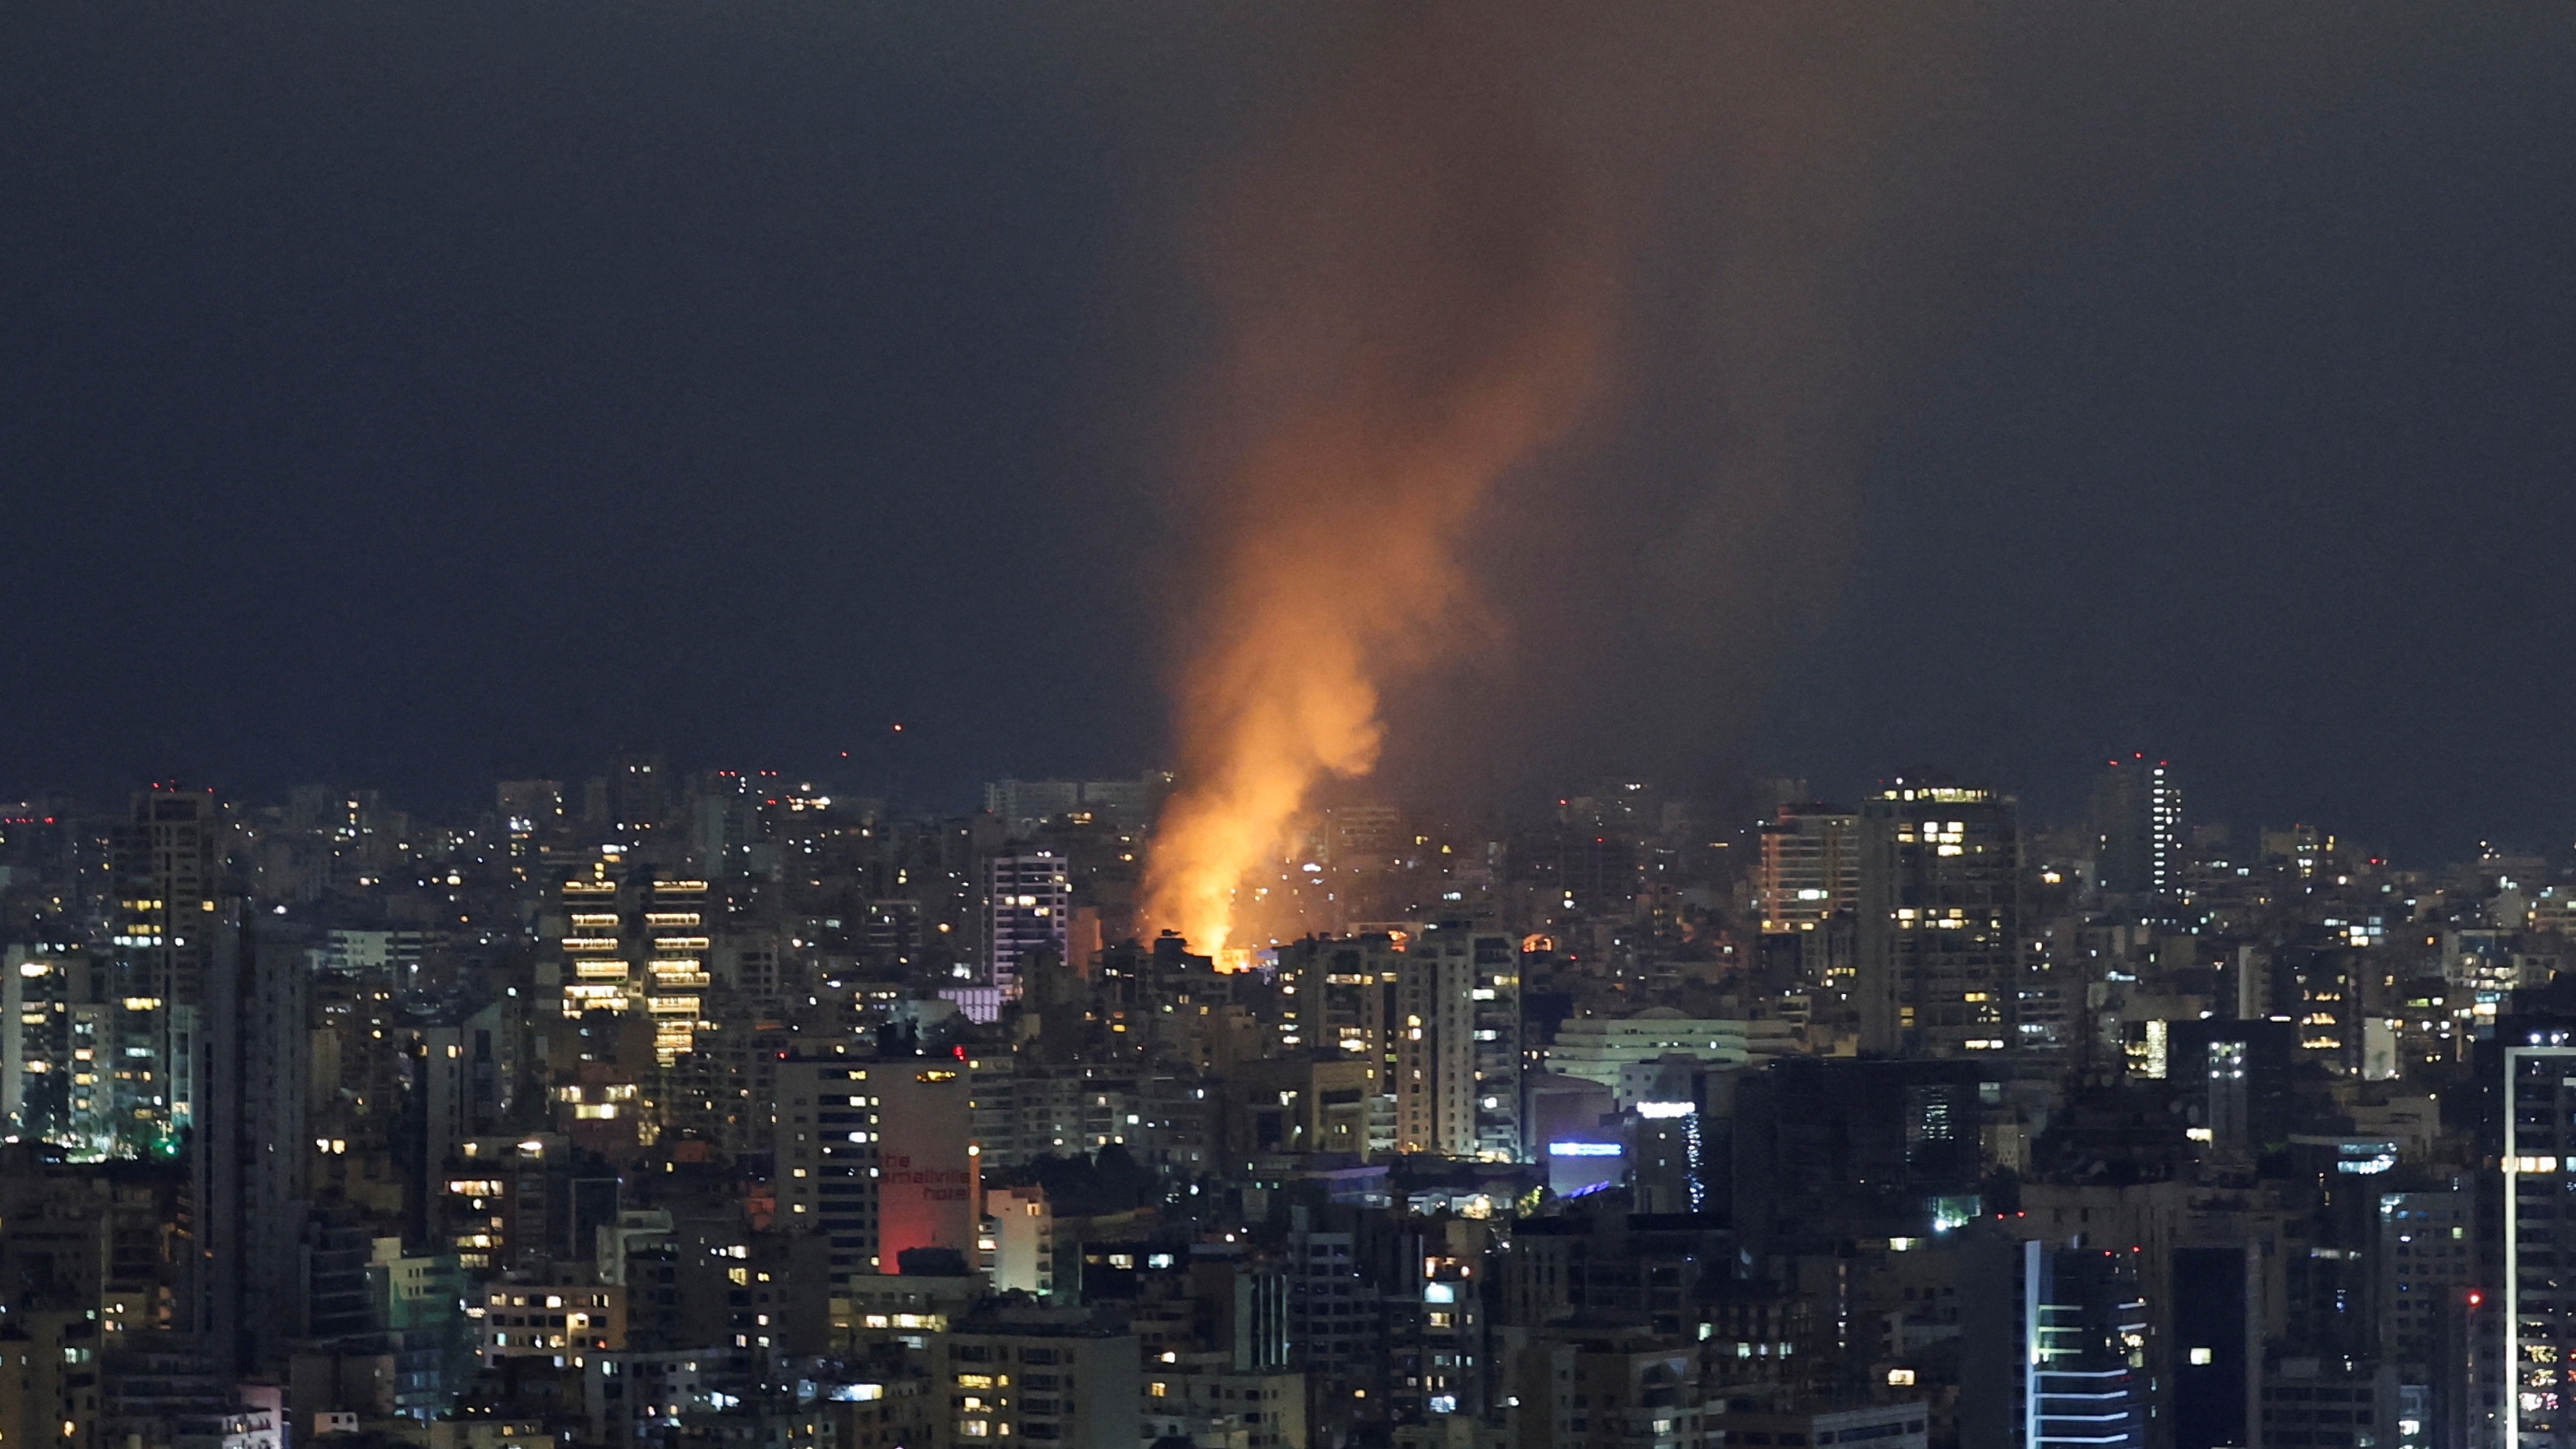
[1983, 386]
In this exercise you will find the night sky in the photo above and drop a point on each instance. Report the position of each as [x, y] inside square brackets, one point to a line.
[419, 395]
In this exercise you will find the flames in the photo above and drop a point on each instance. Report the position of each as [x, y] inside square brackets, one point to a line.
[1410, 292]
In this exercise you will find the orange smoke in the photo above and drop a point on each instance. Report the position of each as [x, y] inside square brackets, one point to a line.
[1411, 290]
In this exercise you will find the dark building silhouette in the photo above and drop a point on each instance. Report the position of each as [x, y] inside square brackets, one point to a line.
[1827, 1148]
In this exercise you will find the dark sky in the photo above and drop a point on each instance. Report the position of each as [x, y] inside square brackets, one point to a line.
[422, 394]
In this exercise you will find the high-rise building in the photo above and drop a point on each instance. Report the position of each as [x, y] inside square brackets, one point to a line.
[1827, 1148]
[165, 860]
[2248, 1068]
[2055, 1336]
[58, 1017]
[1432, 1046]
[1806, 892]
[2138, 840]
[461, 1078]
[1484, 1024]
[1333, 996]
[638, 945]
[1024, 1242]
[419, 1300]
[1028, 904]
[1809, 867]
[637, 798]
[248, 1155]
[2216, 1351]
[511, 1204]
[724, 819]
[1940, 938]
[1495, 1009]
[2530, 1071]
[876, 1156]
[2303, 849]
[2428, 1268]
[1437, 1020]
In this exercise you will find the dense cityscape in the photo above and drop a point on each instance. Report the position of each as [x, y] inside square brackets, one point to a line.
[1369, 724]
[670, 1107]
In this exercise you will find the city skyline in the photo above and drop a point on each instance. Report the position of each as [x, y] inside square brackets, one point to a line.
[1809, 724]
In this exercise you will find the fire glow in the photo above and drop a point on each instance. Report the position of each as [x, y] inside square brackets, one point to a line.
[1411, 301]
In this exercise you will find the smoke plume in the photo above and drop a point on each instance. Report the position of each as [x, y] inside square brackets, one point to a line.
[1551, 297]
[1411, 290]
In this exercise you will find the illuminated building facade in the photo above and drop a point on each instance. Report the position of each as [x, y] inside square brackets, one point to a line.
[1028, 903]
[1456, 1058]
[1940, 936]
[2057, 1337]
[1333, 998]
[57, 1017]
[1495, 1011]
[876, 1157]
[1603, 1048]
[1437, 1021]
[2533, 1121]
[1809, 867]
[500, 1200]
[638, 945]
[555, 1323]
[165, 857]
[1432, 1047]
[1669, 1166]
[1078, 1387]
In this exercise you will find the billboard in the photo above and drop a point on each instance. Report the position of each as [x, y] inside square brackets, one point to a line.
[926, 1171]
